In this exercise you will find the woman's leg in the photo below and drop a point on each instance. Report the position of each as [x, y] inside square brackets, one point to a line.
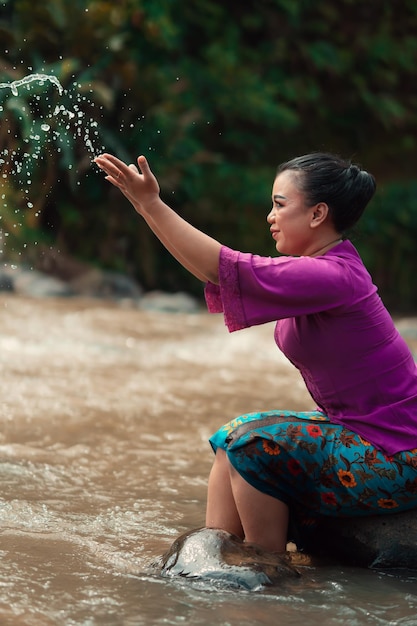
[221, 509]
[265, 448]
[234, 505]
[264, 518]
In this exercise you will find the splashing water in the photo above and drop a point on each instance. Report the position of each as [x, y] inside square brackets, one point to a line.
[30, 78]
[60, 126]
[70, 116]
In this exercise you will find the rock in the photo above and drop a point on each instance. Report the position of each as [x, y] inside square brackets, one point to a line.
[217, 557]
[105, 284]
[6, 282]
[179, 302]
[86, 280]
[29, 282]
[59, 264]
[378, 541]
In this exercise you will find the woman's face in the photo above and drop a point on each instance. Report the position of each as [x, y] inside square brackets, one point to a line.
[291, 218]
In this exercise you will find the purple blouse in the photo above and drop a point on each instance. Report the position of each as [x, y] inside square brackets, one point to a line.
[333, 327]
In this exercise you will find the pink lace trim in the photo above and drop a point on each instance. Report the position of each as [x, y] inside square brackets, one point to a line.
[226, 297]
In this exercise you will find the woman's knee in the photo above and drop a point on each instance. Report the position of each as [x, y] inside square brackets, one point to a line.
[221, 460]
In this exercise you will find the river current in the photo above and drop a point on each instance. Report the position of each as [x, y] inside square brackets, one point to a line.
[105, 413]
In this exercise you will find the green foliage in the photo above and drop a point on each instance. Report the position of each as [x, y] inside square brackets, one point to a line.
[216, 94]
[386, 240]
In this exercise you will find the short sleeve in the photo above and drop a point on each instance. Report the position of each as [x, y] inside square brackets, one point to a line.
[254, 290]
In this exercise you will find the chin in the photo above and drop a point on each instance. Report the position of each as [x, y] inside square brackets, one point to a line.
[287, 252]
[281, 249]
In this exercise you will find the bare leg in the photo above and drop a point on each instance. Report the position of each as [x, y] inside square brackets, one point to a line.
[234, 505]
[264, 518]
[221, 508]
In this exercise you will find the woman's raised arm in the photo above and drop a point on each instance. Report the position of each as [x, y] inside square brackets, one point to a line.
[196, 251]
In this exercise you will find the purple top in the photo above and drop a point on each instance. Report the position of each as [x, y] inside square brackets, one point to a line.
[334, 328]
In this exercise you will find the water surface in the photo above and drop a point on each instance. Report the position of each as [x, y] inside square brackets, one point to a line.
[105, 413]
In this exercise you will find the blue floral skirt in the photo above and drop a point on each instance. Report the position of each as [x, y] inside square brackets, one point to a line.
[316, 467]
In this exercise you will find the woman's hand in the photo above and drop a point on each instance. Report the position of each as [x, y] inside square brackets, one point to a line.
[140, 187]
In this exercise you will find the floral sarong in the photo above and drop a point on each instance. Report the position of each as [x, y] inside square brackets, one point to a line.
[316, 467]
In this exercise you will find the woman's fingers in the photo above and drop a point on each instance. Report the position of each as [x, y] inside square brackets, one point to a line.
[138, 180]
[144, 165]
[111, 171]
[148, 176]
[110, 161]
[118, 171]
[112, 166]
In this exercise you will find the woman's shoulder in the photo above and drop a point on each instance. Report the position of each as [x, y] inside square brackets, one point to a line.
[341, 265]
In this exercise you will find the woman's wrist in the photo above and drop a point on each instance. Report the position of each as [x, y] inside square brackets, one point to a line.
[154, 207]
[147, 208]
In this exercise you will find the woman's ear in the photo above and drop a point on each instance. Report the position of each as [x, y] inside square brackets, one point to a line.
[319, 214]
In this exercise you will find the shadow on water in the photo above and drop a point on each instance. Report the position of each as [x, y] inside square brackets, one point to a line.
[105, 415]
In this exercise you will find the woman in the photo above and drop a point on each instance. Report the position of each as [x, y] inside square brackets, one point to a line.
[356, 454]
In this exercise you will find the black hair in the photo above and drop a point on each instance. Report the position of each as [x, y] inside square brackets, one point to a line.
[343, 186]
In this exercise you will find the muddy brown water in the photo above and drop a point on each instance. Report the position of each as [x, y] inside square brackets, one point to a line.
[105, 413]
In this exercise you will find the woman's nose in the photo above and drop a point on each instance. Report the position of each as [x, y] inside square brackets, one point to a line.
[270, 217]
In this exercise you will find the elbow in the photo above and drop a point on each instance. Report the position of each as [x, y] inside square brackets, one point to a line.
[213, 277]
[211, 265]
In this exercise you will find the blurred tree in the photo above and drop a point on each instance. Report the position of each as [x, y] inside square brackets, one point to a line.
[216, 94]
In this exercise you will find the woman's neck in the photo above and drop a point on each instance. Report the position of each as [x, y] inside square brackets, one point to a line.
[326, 247]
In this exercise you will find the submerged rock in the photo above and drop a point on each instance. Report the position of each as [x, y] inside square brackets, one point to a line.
[218, 557]
[378, 541]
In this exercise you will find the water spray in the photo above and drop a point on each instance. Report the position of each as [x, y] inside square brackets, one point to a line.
[41, 78]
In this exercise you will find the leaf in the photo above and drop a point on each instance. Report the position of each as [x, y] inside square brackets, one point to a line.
[363, 476]
[391, 474]
[345, 461]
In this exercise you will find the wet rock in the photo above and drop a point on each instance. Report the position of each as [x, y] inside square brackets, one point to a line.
[105, 284]
[29, 282]
[59, 264]
[217, 557]
[6, 282]
[85, 280]
[379, 541]
[169, 302]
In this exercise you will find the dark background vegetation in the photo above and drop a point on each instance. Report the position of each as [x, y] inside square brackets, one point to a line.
[216, 95]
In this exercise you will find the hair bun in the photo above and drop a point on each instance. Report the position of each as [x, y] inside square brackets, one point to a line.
[354, 170]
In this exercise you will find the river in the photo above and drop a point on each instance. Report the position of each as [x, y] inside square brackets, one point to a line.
[105, 415]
